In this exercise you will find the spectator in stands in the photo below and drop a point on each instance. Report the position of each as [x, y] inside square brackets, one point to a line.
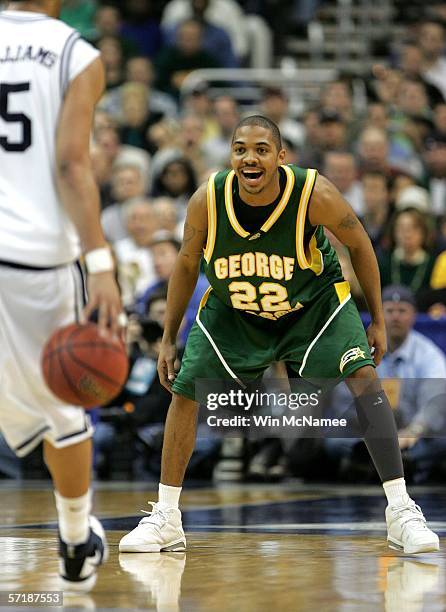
[431, 41]
[127, 185]
[439, 114]
[141, 27]
[377, 116]
[376, 208]
[411, 64]
[337, 98]
[275, 106]
[136, 117]
[332, 137]
[177, 181]
[190, 145]
[227, 115]
[414, 197]
[188, 54]
[384, 85]
[412, 97]
[107, 138]
[311, 148]
[139, 69]
[198, 102]
[398, 183]
[79, 14]
[413, 373]
[167, 217]
[215, 38]
[135, 260]
[164, 249]
[408, 262]
[434, 156]
[333, 131]
[108, 22]
[340, 168]
[226, 14]
[112, 56]
[373, 149]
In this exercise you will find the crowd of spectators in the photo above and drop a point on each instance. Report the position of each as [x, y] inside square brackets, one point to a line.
[153, 145]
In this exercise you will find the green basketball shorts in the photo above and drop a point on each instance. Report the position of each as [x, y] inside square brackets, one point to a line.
[324, 341]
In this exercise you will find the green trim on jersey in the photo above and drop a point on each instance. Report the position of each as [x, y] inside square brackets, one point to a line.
[281, 268]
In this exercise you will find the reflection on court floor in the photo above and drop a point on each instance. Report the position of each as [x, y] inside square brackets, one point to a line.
[249, 549]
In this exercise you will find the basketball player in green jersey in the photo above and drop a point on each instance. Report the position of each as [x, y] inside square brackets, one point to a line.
[277, 294]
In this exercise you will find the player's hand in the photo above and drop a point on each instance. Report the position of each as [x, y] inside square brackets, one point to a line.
[166, 364]
[376, 335]
[103, 295]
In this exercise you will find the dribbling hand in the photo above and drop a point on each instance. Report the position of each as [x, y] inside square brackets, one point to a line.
[103, 295]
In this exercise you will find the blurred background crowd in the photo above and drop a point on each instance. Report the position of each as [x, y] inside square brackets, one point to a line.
[359, 92]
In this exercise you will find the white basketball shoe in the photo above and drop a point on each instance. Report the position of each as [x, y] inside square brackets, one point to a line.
[407, 529]
[160, 531]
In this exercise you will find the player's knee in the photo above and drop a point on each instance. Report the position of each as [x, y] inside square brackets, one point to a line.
[180, 402]
[364, 381]
[367, 372]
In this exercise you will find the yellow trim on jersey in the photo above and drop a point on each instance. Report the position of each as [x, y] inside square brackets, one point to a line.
[212, 218]
[343, 290]
[316, 259]
[290, 179]
[230, 207]
[204, 299]
[300, 223]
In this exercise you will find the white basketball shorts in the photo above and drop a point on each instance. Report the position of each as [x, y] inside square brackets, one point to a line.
[33, 304]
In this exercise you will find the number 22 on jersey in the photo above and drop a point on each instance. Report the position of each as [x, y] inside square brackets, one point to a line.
[273, 305]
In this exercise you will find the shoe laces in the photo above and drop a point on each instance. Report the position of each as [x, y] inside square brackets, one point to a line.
[411, 512]
[157, 516]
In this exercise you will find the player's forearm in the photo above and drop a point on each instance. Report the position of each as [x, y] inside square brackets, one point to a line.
[366, 269]
[80, 197]
[181, 287]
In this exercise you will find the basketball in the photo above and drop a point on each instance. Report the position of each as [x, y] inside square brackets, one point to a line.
[83, 368]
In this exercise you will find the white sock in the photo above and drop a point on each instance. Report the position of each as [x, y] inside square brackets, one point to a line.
[73, 515]
[169, 496]
[395, 491]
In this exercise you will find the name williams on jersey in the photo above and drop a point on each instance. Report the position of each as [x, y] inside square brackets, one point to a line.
[28, 53]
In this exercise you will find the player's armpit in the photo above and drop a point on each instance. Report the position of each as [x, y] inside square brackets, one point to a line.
[328, 208]
[195, 229]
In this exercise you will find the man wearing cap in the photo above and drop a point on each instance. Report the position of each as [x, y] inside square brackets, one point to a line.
[413, 375]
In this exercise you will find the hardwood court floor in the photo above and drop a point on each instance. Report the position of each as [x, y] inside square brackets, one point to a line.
[256, 548]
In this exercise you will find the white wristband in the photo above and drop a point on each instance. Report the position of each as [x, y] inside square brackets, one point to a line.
[99, 260]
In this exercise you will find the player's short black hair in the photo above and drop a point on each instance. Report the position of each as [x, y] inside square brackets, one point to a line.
[264, 122]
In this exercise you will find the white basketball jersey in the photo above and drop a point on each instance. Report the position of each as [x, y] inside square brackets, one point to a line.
[39, 56]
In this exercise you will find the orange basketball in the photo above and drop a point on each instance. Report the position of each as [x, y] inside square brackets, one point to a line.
[83, 368]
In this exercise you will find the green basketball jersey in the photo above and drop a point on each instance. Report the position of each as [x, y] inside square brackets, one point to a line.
[279, 269]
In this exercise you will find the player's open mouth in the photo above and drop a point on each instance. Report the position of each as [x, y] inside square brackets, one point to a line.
[252, 176]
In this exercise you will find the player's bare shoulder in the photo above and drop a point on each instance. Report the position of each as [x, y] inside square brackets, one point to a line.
[327, 206]
[196, 225]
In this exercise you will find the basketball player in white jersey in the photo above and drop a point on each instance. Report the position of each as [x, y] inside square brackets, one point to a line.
[50, 81]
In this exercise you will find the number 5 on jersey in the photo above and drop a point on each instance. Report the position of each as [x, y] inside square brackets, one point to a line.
[7, 90]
